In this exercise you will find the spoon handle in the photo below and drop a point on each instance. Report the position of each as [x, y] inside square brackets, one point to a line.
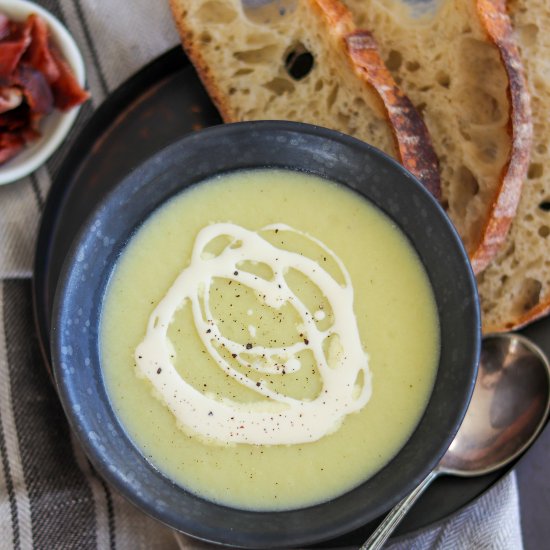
[396, 514]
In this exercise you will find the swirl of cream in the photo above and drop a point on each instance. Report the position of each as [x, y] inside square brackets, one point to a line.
[277, 419]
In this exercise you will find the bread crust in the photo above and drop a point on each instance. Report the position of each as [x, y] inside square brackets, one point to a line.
[412, 140]
[203, 71]
[497, 25]
[540, 310]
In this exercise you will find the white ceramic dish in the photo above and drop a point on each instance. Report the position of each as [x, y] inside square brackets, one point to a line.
[54, 127]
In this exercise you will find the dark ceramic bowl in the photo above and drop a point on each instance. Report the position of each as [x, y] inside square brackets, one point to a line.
[240, 146]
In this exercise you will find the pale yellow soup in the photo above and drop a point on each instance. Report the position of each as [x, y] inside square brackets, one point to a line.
[396, 317]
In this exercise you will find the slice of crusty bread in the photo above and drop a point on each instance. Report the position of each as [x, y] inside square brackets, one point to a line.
[456, 75]
[457, 64]
[515, 289]
[247, 68]
[249, 62]
[413, 142]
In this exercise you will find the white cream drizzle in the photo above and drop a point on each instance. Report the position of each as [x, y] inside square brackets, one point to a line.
[277, 418]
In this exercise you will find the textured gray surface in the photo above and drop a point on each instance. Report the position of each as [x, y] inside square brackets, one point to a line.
[534, 469]
[534, 490]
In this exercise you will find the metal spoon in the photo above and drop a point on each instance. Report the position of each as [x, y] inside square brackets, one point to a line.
[509, 407]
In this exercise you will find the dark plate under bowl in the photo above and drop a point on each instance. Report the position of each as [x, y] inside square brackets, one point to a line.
[331, 155]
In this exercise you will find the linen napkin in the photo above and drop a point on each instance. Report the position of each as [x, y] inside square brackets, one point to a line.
[50, 496]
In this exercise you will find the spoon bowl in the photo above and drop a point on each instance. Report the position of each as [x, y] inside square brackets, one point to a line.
[509, 408]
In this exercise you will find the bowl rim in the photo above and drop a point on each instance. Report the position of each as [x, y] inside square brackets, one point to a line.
[37, 153]
[91, 447]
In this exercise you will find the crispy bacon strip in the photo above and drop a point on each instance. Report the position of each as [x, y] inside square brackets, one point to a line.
[33, 79]
[66, 89]
[498, 27]
[38, 54]
[12, 50]
[411, 136]
[35, 89]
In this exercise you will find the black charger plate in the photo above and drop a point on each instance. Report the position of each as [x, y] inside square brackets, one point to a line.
[161, 103]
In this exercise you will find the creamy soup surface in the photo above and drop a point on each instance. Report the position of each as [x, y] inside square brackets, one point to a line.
[290, 373]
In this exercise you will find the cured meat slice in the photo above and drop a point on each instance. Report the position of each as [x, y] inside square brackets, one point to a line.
[38, 54]
[35, 89]
[34, 79]
[12, 49]
[67, 91]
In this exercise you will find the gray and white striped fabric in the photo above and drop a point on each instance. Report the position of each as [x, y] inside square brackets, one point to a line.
[50, 497]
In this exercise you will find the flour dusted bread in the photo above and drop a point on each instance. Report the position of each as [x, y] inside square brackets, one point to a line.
[246, 66]
[458, 65]
[454, 74]
[515, 289]
[250, 63]
[414, 148]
